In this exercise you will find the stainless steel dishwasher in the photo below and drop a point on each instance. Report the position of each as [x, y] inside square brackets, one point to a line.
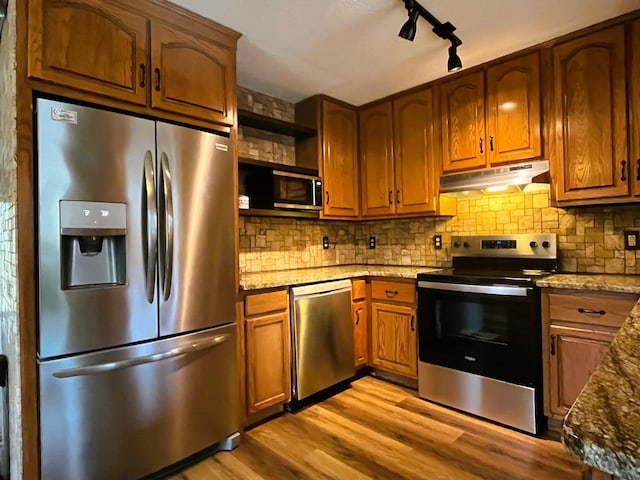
[322, 338]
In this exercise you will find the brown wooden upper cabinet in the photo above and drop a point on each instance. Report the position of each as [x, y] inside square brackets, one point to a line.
[502, 126]
[102, 48]
[398, 166]
[634, 115]
[334, 151]
[591, 117]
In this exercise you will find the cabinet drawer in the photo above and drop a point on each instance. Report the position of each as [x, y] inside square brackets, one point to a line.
[358, 289]
[266, 302]
[393, 291]
[595, 309]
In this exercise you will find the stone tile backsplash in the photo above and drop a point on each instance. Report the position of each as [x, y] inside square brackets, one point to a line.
[590, 239]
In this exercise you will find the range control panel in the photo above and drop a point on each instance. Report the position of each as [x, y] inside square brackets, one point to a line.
[487, 244]
[540, 245]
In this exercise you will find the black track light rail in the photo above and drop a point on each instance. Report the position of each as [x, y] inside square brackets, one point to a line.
[443, 30]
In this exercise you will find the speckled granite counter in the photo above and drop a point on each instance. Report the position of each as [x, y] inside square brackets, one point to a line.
[603, 426]
[604, 283]
[254, 281]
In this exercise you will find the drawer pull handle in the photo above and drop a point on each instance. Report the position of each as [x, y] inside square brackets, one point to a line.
[391, 293]
[358, 316]
[624, 170]
[413, 326]
[553, 344]
[157, 72]
[589, 311]
[143, 74]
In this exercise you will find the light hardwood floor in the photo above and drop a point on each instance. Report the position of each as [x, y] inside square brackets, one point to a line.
[376, 430]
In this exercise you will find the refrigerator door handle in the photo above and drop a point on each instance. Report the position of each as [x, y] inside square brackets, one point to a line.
[149, 226]
[132, 362]
[166, 247]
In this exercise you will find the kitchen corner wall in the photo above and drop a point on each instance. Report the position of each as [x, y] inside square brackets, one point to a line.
[590, 239]
[9, 328]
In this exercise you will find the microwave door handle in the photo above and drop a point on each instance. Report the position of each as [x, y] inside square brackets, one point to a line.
[169, 226]
[149, 226]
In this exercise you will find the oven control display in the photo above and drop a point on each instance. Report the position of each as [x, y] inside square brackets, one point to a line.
[498, 244]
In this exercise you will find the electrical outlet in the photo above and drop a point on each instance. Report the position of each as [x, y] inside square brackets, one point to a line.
[325, 242]
[372, 242]
[631, 240]
[437, 241]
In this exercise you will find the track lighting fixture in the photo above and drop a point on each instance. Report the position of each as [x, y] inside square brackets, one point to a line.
[443, 30]
[408, 30]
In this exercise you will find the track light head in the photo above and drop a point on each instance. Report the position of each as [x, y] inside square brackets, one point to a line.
[454, 63]
[408, 30]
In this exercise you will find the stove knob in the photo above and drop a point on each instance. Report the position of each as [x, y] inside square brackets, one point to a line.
[533, 244]
[465, 244]
[546, 244]
[456, 244]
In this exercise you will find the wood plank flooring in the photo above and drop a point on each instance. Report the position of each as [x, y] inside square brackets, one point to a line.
[376, 430]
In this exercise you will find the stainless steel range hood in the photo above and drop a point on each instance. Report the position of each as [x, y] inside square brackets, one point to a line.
[519, 175]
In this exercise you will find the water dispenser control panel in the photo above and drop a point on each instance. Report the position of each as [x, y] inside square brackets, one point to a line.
[77, 215]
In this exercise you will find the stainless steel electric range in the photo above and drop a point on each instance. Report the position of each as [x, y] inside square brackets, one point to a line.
[479, 328]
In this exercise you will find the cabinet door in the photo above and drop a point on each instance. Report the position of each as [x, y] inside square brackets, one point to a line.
[415, 172]
[360, 337]
[513, 110]
[463, 134]
[339, 160]
[393, 338]
[575, 354]
[268, 361]
[376, 160]
[192, 75]
[90, 45]
[634, 114]
[591, 116]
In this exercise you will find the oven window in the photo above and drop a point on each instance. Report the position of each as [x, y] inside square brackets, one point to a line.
[293, 190]
[490, 335]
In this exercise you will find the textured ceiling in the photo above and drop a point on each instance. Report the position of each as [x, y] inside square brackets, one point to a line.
[350, 49]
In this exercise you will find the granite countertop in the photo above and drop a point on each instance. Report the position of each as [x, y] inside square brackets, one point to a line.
[602, 282]
[602, 427]
[281, 278]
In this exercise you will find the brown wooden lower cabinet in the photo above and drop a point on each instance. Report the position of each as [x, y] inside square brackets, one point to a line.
[575, 354]
[268, 343]
[393, 327]
[360, 334]
[578, 328]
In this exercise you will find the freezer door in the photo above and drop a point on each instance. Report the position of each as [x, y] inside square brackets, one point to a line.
[89, 301]
[196, 229]
[128, 412]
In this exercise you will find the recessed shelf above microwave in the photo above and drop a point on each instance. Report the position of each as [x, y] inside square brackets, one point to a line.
[255, 120]
[245, 163]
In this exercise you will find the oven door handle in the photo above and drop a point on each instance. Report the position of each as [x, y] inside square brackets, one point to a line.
[482, 289]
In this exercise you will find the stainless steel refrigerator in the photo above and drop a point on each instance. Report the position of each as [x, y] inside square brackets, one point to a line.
[136, 292]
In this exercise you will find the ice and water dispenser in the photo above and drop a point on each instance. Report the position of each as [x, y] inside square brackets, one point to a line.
[93, 244]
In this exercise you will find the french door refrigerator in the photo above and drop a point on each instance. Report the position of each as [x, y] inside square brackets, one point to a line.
[136, 292]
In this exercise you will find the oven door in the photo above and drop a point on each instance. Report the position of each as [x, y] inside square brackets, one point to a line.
[488, 330]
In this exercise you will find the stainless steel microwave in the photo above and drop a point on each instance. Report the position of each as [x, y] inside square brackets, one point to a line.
[296, 191]
[284, 188]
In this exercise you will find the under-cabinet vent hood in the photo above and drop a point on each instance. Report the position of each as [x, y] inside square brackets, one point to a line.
[496, 179]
